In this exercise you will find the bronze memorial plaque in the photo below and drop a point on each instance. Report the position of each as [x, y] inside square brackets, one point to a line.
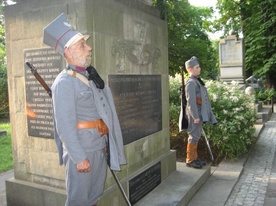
[38, 103]
[138, 101]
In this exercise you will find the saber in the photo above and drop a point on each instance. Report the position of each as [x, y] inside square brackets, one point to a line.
[120, 187]
[208, 145]
[48, 90]
[107, 156]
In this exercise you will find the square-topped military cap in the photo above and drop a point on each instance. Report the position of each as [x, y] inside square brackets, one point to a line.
[191, 62]
[60, 34]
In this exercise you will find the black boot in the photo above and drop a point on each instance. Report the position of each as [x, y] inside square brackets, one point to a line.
[194, 164]
[201, 162]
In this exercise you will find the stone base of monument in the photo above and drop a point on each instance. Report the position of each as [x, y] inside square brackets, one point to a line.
[176, 189]
[229, 80]
[179, 188]
[25, 193]
[141, 183]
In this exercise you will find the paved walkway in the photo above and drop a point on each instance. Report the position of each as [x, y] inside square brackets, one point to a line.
[252, 186]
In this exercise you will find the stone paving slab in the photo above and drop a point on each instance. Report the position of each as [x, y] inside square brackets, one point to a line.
[252, 186]
[270, 197]
[219, 185]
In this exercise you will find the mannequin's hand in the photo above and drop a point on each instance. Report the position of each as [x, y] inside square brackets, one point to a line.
[196, 121]
[84, 166]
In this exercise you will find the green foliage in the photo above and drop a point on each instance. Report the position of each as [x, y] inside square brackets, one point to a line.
[4, 101]
[174, 97]
[187, 30]
[6, 161]
[4, 105]
[256, 20]
[265, 94]
[230, 16]
[235, 112]
[260, 39]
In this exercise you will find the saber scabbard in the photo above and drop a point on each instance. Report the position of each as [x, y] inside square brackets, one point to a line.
[208, 145]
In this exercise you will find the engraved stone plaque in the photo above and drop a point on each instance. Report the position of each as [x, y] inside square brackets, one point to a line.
[39, 104]
[145, 182]
[231, 59]
[138, 101]
[231, 52]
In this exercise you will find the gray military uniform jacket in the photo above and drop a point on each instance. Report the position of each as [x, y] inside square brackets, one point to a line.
[194, 89]
[74, 101]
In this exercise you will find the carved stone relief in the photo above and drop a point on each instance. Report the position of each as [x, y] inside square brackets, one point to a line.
[136, 51]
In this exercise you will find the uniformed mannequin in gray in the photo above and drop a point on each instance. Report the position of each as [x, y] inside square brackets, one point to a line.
[198, 111]
[84, 113]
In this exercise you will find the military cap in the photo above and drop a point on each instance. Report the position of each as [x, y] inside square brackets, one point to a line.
[60, 34]
[191, 62]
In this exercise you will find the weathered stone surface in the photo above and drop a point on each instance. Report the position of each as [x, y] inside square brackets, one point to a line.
[127, 38]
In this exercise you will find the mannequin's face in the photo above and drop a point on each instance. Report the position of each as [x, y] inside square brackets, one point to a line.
[79, 54]
[195, 71]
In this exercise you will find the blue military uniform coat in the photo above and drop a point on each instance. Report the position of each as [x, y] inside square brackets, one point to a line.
[89, 103]
[195, 90]
[75, 101]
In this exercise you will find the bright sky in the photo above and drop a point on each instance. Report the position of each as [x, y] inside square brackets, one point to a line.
[207, 3]
[203, 2]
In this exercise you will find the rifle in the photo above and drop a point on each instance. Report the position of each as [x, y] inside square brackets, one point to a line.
[39, 78]
[183, 122]
[49, 91]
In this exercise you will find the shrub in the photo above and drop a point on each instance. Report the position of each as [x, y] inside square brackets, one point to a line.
[236, 115]
[265, 94]
[4, 103]
[177, 139]
[174, 97]
[6, 160]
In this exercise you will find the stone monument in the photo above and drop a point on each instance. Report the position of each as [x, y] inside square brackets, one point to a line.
[231, 58]
[130, 51]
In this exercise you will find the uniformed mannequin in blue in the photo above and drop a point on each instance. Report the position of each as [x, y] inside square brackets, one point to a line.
[84, 113]
[198, 111]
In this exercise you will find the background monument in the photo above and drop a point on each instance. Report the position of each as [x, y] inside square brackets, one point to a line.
[129, 43]
[231, 58]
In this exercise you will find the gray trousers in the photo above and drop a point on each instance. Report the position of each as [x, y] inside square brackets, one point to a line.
[85, 188]
[194, 130]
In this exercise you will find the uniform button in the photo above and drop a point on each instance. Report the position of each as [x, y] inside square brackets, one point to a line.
[104, 105]
[101, 98]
